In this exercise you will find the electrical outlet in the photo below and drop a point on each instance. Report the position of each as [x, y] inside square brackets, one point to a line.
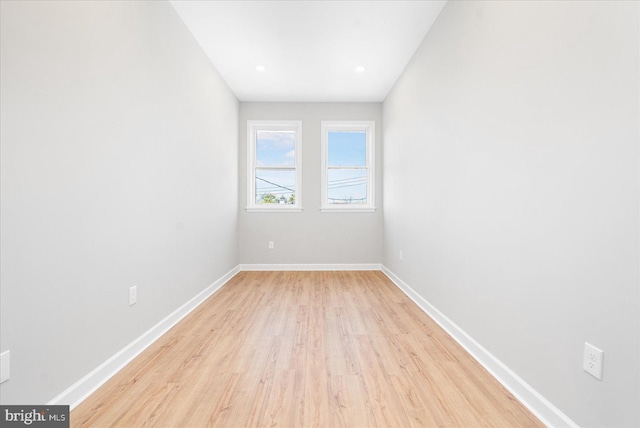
[4, 366]
[133, 295]
[401, 256]
[271, 245]
[592, 363]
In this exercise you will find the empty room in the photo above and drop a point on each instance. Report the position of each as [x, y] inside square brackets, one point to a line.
[320, 213]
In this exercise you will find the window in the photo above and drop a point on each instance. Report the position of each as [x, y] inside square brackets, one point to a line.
[348, 175]
[274, 171]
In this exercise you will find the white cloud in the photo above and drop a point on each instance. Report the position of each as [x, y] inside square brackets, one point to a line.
[277, 139]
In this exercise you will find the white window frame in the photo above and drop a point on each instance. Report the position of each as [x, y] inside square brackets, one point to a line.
[253, 126]
[345, 126]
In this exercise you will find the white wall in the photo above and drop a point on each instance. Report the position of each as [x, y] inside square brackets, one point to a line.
[119, 167]
[511, 168]
[309, 236]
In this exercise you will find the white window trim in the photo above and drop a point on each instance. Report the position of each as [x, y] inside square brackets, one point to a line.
[272, 125]
[369, 128]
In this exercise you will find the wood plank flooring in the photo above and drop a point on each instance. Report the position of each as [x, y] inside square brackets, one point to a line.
[304, 349]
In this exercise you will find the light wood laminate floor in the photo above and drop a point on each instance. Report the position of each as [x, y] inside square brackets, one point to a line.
[304, 349]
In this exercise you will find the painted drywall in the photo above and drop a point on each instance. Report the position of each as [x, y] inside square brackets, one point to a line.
[511, 147]
[119, 168]
[309, 236]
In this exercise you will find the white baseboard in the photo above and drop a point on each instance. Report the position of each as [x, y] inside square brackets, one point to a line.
[309, 267]
[529, 397]
[79, 391]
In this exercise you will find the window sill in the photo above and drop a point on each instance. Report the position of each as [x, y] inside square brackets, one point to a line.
[273, 210]
[347, 210]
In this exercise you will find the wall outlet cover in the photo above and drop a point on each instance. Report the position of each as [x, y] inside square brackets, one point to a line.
[592, 362]
[133, 295]
[4, 366]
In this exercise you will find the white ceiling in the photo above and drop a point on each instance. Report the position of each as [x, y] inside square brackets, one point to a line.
[309, 49]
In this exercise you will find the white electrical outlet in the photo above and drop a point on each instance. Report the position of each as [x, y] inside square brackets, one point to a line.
[4, 366]
[133, 295]
[271, 245]
[592, 363]
[401, 255]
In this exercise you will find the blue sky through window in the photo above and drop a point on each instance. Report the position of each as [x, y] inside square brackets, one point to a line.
[275, 148]
[345, 185]
[279, 183]
[347, 148]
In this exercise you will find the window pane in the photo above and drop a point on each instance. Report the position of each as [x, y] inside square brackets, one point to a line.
[275, 148]
[347, 186]
[347, 148]
[275, 186]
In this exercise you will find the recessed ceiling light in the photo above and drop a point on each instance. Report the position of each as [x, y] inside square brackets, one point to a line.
[359, 69]
[260, 68]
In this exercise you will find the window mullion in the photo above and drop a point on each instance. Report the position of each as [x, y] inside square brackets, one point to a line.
[284, 168]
